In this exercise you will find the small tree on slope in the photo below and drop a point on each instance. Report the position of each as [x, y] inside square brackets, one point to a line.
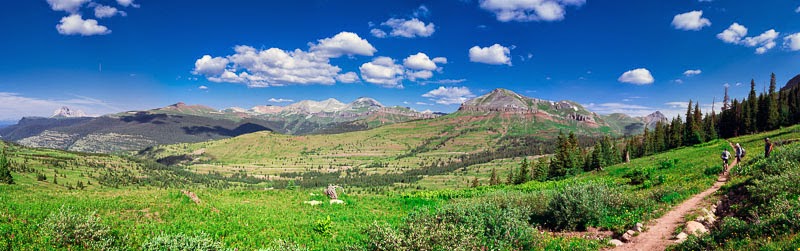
[5, 173]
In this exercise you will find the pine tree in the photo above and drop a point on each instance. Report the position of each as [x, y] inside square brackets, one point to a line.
[762, 115]
[773, 114]
[5, 172]
[689, 126]
[676, 132]
[698, 124]
[493, 180]
[524, 175]
[510, 178]
[752, 109]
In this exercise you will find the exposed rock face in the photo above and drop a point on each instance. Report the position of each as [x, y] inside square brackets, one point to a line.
[651, 120]
[795, 81]
[267, 109]
[506, 101]
[500, 100]
[66, 112]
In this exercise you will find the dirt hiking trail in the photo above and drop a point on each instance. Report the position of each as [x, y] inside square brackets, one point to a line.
[659, 232]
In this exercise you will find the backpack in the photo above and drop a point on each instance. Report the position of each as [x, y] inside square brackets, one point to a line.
[743, 152]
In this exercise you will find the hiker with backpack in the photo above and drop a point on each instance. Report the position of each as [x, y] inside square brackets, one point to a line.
[725, 156]
[739, 152]
[767, 147]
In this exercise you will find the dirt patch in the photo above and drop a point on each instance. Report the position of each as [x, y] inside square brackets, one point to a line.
[192, 196]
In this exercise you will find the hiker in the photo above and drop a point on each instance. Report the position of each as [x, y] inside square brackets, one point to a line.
[767, 147]
[725, 156]
[738, 152]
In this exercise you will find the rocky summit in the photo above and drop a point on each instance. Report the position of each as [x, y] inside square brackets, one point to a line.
[66, 112]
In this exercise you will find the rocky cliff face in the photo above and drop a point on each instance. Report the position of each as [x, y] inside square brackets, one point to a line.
[652, 119]
[506, 101]
[500, 100]
[66, 112]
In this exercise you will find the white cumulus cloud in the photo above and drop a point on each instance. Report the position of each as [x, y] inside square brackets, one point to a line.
[495, 54]
[692, 20]
[736, 34]
[348, 78]
[280, 100]
[383, 71]
[529, 10]
[278, 67]
[692, 72]
[75, 25]
[792, 42]
[378, 33]
[103, 11]
[408, 28]
[209, 66]
[449, 95]
[70, 6]
[127, 3]
[344, 43]
[420, 61]
[640, 76]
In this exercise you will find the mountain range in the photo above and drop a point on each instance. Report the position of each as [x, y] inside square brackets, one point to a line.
[178, 123]
[502, 110]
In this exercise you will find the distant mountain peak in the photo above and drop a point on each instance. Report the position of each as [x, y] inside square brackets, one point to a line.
[66, 112]
[498, 100]
[365, 102]
[652, 119]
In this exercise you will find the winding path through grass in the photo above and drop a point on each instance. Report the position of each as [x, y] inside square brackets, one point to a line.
[659, 232]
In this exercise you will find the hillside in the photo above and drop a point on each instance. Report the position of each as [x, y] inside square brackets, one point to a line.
[500, 124]
[125, 194]
[182, 123]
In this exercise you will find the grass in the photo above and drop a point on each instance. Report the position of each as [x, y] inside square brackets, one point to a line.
[249, 217]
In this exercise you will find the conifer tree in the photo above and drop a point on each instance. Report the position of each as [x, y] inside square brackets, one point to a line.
[773, 114]
[493, 180]
[752, 109]
[5, 172]
[524, 175]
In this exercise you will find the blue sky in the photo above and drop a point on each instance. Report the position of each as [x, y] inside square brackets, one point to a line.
[104, 56]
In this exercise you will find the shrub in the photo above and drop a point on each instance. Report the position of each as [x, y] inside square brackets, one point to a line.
[577, 206]
[40, 177]
[282, 245]
[179, 242]
[323, 226]
[68, 228]
[713, 170]
[638, 176]
[465, 225]
[667, 164]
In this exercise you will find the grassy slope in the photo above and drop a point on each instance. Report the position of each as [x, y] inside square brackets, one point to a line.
[250, 219]
[267, 153]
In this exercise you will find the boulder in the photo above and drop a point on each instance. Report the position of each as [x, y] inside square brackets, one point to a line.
[312, 202]
[639, 227]
[616, 242]
[681, 237]
[626, 237]
[695, 228]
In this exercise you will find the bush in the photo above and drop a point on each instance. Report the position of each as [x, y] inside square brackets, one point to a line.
[465, 225]
[67, 228]
[638, 176]
[577, 206]
[713, 170]
[180, 242]
[323, 226]
[282, 245]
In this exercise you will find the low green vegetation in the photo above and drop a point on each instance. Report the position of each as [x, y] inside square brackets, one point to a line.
[135, 205]
[762, 206]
